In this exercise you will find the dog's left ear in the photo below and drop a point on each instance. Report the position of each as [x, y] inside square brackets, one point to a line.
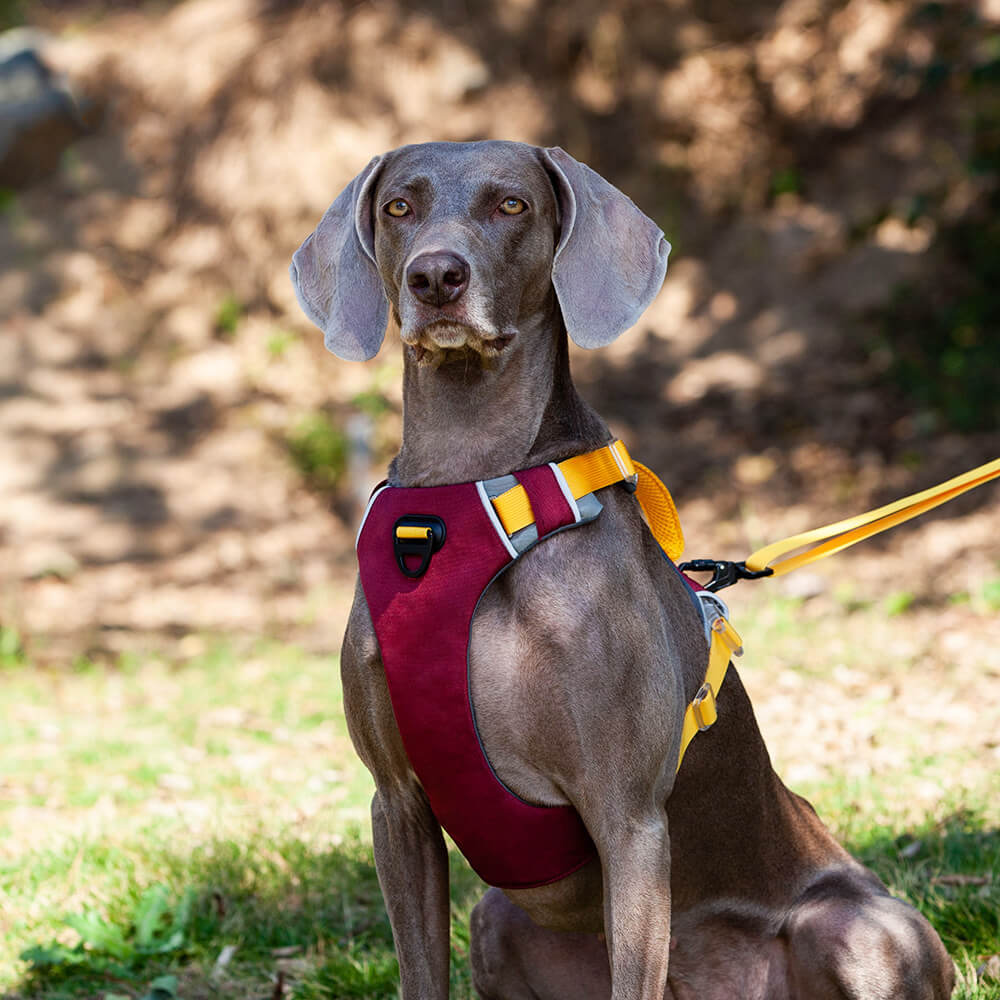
[335, 277]
[610, 260]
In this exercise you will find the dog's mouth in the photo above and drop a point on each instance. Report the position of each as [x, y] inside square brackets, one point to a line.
[446, 342]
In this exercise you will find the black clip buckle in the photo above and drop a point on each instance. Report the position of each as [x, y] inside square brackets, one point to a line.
[423, 543]
[724, 573]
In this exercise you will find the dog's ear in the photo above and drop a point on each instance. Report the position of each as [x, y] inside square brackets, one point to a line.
[610, 260]
[335, 277]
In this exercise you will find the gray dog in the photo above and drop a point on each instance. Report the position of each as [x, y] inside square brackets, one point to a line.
[713, 881]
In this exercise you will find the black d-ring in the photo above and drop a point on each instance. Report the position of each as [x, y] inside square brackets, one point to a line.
[426, 535]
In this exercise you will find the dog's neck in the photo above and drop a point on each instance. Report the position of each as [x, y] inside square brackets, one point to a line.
[466, 420]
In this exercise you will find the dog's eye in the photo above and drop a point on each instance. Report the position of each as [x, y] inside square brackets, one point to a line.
[398, 208]
[512, 206]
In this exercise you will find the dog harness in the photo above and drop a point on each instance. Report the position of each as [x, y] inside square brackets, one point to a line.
[427, 555]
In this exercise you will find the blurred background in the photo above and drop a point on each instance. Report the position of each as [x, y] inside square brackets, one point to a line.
[181, 461]
[178, 453]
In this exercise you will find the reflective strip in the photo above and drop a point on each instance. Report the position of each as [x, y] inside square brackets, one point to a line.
[621, 453]
[368, 510]
[566, 492]
[494, 520]
[618, 459]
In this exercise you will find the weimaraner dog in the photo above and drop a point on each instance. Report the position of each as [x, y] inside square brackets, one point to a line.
[713, 881]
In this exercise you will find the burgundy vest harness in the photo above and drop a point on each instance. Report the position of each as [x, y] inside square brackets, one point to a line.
[423, 595]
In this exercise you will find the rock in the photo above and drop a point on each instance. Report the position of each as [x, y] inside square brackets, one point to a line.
[39, 115]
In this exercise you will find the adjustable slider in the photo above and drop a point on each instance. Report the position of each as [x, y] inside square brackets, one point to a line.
[703, 707]
[729, 635]
[417, 537]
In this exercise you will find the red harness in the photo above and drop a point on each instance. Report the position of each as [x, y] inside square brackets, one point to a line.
[422, 596]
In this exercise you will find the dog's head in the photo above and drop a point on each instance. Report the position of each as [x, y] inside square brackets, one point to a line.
[468, 242]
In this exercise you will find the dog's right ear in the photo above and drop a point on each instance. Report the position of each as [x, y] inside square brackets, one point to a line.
[335, 277]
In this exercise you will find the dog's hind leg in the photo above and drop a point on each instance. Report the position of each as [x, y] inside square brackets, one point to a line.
[515, 959]
[848, 938]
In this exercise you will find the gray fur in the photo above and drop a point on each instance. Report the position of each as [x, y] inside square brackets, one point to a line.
[716, 883]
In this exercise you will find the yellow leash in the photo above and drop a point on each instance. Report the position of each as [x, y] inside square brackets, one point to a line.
[841, 534]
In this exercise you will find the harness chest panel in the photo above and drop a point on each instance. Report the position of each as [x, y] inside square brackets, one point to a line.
[423, 625]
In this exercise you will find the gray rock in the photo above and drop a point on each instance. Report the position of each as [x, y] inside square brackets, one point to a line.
[39, 114]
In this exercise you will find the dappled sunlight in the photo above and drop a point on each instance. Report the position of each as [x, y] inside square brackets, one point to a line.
[180, 459]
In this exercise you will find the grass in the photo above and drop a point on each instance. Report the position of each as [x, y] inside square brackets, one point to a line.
[318, 448]
[199, 828]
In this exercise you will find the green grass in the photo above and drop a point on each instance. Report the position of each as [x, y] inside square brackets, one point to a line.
[318, 448]
[155, 817]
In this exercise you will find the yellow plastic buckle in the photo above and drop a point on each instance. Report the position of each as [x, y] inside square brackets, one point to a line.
[704, 716]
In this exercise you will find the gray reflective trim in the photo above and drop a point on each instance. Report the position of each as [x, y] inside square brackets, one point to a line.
[711, 606]
[523, 540]
[494, 520]
[589, 507]
[494, 487]
[566, 491]
[368, 510]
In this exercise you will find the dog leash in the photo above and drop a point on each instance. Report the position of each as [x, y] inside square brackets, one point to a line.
[774, 559]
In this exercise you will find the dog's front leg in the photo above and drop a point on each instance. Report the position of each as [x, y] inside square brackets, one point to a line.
[410, 854]
[635, 857]
[412, 864]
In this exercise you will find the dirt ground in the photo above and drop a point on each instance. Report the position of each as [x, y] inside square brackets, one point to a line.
[154, 363]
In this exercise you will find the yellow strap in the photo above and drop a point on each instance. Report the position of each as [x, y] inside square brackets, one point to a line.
[702, 713]
[593, 471]
[661, 514]
[840, 535]
[514, 509]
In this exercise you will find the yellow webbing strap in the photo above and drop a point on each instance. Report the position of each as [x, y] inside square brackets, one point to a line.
[593, 471]
[834, 537]
[661, 514]
[701, 713]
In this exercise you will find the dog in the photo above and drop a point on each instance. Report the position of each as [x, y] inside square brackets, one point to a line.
[712, 880]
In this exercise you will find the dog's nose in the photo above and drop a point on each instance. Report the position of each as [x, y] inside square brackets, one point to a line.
[437, 278]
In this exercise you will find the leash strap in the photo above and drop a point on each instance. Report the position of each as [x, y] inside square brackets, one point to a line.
[833, 537]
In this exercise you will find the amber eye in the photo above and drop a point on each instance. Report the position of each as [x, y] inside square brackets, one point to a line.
[398, 208]
[512, 206]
